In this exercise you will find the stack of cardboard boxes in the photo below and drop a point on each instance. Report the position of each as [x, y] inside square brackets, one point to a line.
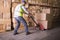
[5, 21]
[44, 15]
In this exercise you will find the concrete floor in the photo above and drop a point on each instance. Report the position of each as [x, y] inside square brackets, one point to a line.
[53, 34]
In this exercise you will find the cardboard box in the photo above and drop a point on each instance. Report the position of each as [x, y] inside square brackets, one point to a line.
[44, 1]
[13, 0]
[8, 26]
[6, 16]
[1, 15]
[16, 0]
[46, 10]
[32, 1]
[2, 28]
[44, 24]
[49, 17]
[6, 23]
[1, 21]
[40, 16]
[50, 24]
[47, 24]
[1, 6]
[50, 1]
[6, 6]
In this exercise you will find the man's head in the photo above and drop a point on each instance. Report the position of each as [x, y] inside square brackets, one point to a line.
[23, 2]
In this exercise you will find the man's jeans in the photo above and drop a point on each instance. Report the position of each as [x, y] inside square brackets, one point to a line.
[20, 20]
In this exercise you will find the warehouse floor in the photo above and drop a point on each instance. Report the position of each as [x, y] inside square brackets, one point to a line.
[52, 34]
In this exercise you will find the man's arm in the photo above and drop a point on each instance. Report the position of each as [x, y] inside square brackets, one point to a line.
[25, 10]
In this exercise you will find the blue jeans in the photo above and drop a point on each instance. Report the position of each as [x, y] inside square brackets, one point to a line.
[20, 20]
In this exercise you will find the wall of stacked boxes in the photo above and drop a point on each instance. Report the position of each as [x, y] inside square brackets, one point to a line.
[45, 11]
[5, 21]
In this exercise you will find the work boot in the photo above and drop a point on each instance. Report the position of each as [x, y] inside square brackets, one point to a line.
[15, 33]
[28, 33]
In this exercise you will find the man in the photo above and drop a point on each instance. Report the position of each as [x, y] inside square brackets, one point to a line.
[18, 15]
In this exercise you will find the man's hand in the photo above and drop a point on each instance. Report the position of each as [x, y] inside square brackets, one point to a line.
[30, 14]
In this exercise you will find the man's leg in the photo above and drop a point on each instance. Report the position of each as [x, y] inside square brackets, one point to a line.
[25, 25]
[17, 26]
